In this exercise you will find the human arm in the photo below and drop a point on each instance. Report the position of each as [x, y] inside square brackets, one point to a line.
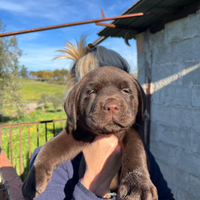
[103, 161]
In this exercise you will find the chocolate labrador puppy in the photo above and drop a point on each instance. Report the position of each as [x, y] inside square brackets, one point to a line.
[105, 101]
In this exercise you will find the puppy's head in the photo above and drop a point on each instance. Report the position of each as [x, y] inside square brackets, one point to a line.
[106, 100]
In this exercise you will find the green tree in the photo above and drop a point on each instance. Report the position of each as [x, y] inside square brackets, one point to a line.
[9, 71]
[44, 99]
[64, 73]
[33, 73]
[23, 72]
[40, 74]
[50, 74]
[56, 102]
[56, 73]
[14, 96]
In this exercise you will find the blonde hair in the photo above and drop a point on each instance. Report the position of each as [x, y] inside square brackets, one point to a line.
[86, 59]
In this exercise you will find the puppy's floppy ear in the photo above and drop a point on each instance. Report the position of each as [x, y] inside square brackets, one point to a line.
[142, 103]
[71, 106]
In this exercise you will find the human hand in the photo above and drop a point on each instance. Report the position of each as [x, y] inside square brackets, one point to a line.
[103, 159]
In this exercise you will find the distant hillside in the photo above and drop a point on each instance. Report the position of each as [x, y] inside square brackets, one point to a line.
[32, 90]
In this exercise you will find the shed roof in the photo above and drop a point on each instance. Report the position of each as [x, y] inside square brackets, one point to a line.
[140, 24]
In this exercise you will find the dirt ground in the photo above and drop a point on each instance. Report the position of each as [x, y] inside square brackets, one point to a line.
[30, 107]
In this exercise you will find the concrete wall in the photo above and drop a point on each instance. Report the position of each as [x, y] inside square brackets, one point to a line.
[173, 57]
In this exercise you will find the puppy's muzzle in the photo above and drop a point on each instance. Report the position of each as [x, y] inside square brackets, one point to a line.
[111, 108]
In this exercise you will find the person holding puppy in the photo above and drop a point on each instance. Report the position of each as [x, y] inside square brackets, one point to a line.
[103, 157]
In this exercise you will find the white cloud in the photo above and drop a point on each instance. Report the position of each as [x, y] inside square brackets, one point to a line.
[54, 10]
[28, 37]
[12, 6]
[62, 11]
[40, 57]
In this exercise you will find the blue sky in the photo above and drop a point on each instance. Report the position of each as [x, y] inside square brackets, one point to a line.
[39, 48]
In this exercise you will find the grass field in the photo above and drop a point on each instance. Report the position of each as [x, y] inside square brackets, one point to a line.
[31, 92]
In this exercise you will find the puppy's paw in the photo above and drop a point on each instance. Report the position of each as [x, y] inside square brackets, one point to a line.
[35, 182]
[138, 186]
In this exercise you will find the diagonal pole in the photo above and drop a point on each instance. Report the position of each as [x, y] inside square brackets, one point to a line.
[84, 22]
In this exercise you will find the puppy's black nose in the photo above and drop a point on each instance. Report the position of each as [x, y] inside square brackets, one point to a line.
[111, 108]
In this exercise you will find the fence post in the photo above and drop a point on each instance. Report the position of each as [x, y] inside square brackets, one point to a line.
[54, 130]
[38, 135]
[11, 150]
[21, 156]
[61, 125]
[46, 131]
[29, 142]
[0, 138]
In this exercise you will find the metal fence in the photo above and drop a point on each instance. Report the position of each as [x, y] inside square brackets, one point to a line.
[37, 134]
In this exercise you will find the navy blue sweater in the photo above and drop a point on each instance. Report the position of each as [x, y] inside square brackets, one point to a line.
[65, 183]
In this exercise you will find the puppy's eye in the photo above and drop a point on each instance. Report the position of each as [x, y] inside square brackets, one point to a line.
[92, 92]
[126, 90]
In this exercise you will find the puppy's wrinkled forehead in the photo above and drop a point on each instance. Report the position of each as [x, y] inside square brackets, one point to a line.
[107, 75]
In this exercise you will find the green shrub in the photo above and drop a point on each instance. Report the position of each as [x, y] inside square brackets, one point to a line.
[56, 102]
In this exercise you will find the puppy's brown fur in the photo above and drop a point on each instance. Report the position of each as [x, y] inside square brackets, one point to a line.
[106, 101]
